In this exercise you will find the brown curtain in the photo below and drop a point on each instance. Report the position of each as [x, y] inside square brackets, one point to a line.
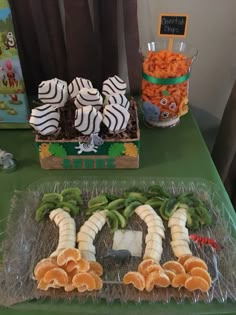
[224, 151]
[89, 48]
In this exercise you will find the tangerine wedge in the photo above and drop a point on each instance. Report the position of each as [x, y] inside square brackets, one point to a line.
[69, 287]
[136, 279]
[183, 258]
[179, 280]
[157, 278]
[84, 281]
[81, 265]
[96, 267]
[173, 266]
[42, 285]
[68, 254]
[43, 266]
[200, 272]
[171, 274]
[197, 283]
[192, 262]
[98, 280]
[155, 267]
[142, 267]
[58, 276]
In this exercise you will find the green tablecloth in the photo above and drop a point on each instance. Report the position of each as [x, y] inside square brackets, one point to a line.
[175, 152]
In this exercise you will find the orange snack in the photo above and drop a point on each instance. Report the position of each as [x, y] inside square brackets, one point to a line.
[57, 276]
[98, 280]
[179, 280]
[197, 283]
[68, 254]
[192, 262]
[42, 285]
[81, 265]
[96, 267]
[183, 258]
[142, 267]
[173, 266]
[136, 279]
[200, 272]
[84, 281]
[43, 266]
[170, 274]
[155, 267]
[157, 278]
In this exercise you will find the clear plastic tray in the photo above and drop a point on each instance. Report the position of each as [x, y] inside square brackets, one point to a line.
[27, 242]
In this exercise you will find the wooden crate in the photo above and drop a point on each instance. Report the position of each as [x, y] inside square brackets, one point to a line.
[112, 154]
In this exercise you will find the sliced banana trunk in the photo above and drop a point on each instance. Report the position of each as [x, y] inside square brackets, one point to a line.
[180, 236]
[86, 246]
[88, 255]
[179, 229]
[92, 226]
[83, 237]
[156, 230]
[66, 225]
[152, 217]
[153, 237]
[152, 254]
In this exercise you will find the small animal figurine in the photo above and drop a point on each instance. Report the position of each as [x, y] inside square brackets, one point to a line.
[120, 257]
[6, 160]
[87, 147]
[151, 112]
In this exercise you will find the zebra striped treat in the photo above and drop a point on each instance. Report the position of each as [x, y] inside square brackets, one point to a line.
[45, 119]
[77, 84]
[115, 117]
[119, 99]
[87, 97]
[114, 85]
[88, 120]
[54, 92]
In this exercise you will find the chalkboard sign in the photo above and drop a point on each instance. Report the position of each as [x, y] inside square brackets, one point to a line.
[173, 25]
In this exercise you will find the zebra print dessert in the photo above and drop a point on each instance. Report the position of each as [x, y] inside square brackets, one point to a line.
[88, 120]
[115, 117]
[119, 99]
[54, 92]
[114, 85]
[77, 84]
[87, 97]
[45, 119]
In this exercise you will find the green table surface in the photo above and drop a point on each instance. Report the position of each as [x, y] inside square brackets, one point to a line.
[174, 152]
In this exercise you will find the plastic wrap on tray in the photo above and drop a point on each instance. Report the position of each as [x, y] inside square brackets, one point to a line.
[27, 242]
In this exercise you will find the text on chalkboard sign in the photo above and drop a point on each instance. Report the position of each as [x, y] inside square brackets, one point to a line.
[173, 25]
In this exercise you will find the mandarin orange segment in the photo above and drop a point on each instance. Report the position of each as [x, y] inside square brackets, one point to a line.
[157, 278]
[152, 268]
[96, 267]
[200, 272]
[69, 287]
[197, 283]
[142, 267]
[192, 262]
[42, 285]
[81, 265]
[84, 281]
[68, 254]
[58, 276]
[43, 266]
[170, 274]
[179, 280]
[136, 279]
[173, 266]
[98, 280]
[183, 258]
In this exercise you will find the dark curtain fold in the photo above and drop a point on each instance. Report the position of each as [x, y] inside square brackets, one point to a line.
[224, 151]
[40, 40]
[130, 12]
[90, 48]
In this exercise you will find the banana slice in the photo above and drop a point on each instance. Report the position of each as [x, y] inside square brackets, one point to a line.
[62, 217]
[155, 245]
[156, 223]
[100, 215]
[156, 230]
[83, 237]
[153, 254]
[55, 212]
[87, 230]
[152, 217]
[153, 237]
[181, 250]
[86, 246]
[145, 213]
[67, 232]
[179, 215]
[91, 225]
[66, 238]
[179, 243]
[176, 221]
[178, 229]
[98, 222]
[140, 209]
[88, 255]
[180, 236]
